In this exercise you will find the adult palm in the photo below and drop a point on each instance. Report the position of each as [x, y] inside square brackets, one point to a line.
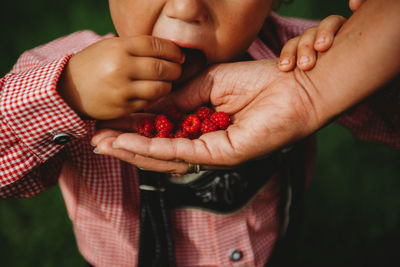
[268, 108]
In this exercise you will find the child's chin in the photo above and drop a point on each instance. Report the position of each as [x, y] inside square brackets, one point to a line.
[194, 63]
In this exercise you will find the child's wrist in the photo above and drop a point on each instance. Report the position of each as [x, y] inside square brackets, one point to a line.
[68, 92]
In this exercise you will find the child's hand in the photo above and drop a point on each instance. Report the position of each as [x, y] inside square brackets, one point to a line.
[355, 4]
[117, 76]
[302, 50]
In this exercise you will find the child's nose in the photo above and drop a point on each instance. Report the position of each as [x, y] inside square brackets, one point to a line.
[192, 11]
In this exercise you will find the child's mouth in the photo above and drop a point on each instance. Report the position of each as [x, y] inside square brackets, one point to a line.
[195, 62]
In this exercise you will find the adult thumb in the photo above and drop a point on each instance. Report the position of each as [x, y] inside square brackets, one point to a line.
[194, 93]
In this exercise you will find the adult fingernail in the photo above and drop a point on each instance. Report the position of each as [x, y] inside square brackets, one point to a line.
[114, 145]
[96, 151]
[304, 60]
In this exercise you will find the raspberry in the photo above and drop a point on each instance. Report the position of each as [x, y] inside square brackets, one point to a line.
[192, 124]
[173, 113]
[146, 127]
[187, 125]
[204, 113]
[208, 126]
[181, 134]
[147, 134]
[221, 119]
[162, 124]
[164, 134]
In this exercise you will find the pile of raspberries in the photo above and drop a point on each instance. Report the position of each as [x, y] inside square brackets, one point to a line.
[172, 123]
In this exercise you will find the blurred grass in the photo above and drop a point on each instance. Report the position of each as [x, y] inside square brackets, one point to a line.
[352, 214]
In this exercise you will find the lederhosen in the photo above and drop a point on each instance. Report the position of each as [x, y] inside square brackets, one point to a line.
[221, 192]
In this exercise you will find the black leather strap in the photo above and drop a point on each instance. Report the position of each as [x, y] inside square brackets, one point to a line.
[224, 191]
[216, 191]
[291, 210]
[156, 247]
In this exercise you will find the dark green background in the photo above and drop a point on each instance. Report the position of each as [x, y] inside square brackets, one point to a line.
[352, 208]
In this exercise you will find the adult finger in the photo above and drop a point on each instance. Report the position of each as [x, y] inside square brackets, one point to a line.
[326, 32]
[150, 46]
[190, 96]
[104, 134]
[209, 149]
[106, 147]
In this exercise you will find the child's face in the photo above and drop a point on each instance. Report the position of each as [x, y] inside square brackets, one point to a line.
[221, 29]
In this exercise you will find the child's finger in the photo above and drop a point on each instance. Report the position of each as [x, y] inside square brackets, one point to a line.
[149, 68]
[306, 55]
[150, 46]
[355, 4]
[288, 55]
[326, 32]
[148, 90]
[136, 105]
[129, 123]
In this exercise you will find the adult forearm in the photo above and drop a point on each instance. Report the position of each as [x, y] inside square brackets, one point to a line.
[364, 56]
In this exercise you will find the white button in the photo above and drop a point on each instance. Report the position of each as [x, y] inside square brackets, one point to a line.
[236, 255]
[61, 138]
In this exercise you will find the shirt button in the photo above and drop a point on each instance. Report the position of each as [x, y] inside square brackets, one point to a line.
[61, 139]
[236, 255]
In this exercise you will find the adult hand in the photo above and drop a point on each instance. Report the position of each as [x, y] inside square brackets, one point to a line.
[268, 109]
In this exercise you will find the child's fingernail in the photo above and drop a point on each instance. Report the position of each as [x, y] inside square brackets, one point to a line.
[284, 62]
[96, 151]
[320, 40]
[114, 145]
[304, 60]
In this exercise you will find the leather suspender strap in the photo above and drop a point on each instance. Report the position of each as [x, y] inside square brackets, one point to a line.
[291, 209]
[156, 247]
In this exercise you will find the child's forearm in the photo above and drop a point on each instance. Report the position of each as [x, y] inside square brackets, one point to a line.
[364, 56]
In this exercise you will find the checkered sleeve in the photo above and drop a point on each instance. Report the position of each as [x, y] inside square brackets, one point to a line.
[33, 113]
[377, 119]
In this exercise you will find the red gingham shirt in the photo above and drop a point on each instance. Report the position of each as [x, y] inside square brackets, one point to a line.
[101, 193]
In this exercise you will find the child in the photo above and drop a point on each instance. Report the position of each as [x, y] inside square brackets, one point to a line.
[55, 93]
